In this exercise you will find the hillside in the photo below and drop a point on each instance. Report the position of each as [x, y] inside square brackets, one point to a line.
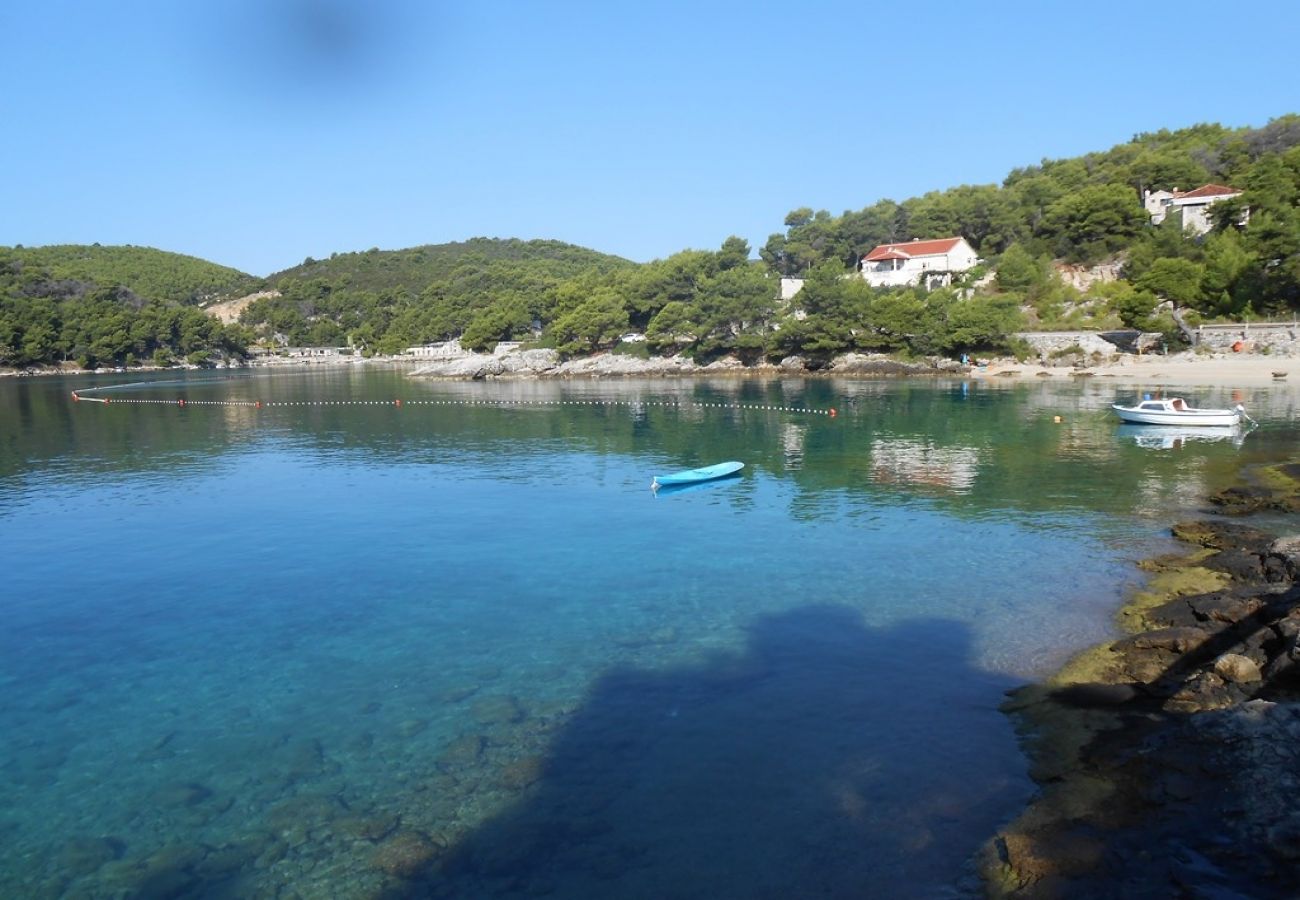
[148, 273]
[415, 268]
[111, 306]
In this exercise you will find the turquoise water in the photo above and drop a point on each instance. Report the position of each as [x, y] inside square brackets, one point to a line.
[463, 650]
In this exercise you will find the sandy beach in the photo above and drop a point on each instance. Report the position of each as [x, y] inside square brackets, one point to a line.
[1190, 369]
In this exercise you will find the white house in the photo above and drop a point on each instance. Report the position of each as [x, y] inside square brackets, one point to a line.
[935, 261]
[1192, 206]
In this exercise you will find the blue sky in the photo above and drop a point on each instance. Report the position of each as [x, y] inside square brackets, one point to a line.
[255, 133]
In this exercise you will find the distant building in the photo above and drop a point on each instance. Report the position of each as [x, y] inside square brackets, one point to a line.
[935, 262]
[1191, 206]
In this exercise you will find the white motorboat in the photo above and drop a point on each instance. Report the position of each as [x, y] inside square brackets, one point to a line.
[1175, 411]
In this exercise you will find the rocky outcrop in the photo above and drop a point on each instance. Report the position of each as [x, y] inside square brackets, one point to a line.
[547, 364]
[1167, 758]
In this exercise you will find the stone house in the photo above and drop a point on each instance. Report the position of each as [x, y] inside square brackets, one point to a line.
[1192, 206]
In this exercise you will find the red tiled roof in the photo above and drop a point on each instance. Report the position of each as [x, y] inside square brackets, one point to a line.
[1208, 190]
[909, 249]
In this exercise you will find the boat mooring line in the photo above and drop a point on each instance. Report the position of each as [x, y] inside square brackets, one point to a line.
[79, 396]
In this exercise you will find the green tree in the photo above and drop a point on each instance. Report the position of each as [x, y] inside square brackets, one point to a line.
[1178, 280]
[1094, 221]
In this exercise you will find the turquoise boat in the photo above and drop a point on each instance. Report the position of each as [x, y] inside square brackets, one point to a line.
[693, 476]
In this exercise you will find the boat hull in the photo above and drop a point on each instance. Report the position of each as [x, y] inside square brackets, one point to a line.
[1197, 418]
[694, 476]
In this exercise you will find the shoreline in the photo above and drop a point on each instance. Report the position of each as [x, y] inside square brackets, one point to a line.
[1165, 759]
[1184, 369]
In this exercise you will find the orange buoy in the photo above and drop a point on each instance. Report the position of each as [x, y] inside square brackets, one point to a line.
[832, 412]
[1238, 346]
[398, 403]
[180, 402]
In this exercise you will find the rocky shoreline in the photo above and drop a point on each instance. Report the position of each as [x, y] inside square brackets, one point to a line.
[1168, 760]
[548, 364]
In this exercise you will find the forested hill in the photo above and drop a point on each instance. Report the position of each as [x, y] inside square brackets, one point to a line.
[148, 273]
[481, 290]
[113, 306]
[416, 268]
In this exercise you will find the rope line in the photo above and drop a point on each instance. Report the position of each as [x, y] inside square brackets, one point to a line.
[181, 402]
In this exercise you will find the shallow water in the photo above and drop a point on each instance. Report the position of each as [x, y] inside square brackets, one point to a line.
[463, 650]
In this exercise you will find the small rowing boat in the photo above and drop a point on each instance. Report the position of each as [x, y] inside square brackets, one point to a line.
[1175, 411]
[693, 476]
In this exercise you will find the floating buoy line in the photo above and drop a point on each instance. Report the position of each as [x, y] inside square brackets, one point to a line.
[82, 396]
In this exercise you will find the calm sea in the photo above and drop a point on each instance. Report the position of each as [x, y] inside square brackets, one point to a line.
[458, 648]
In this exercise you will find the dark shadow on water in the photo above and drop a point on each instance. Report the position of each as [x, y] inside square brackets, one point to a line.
[827, 760]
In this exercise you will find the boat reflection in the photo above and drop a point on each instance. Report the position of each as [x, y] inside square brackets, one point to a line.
[670, 490]
[1171, 437]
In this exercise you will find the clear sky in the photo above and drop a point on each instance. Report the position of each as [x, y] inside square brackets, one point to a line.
[255, 133]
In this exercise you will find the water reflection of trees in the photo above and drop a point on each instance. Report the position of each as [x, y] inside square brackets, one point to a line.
[975, 446]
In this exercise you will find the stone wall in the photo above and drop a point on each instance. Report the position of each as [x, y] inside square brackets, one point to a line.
[1282, 338]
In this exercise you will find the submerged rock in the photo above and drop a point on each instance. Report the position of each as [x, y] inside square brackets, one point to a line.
[463, 752]
[497, 710]
[407, 855]
[84, 855]
[1183, 736]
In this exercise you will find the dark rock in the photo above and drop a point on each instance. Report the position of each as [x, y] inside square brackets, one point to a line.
[1284, 840]
[1173, 640]
[1224, 607]
[463, 752]
[407, 855]
[1223, 535]
[523, 772]
[497, 710]
[366, 828]
[458, 693]
[1242, 499]
[409, 728]
[1244, 567]
[1093, 694]
[82, 856]
[185, 794]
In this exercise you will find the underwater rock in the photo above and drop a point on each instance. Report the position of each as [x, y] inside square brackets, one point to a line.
[411, 727]
[497, 710]
[304, 811]
[84, 855]
[361, 744]
[228, 859]
[463, 752]
[654, 638]
[187, 793]
[302, 758]
[407, 855]
[1159, 740]
[367, 828]
[1223, 535]
[458, 693]
[1242, 499]
[523, 772]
